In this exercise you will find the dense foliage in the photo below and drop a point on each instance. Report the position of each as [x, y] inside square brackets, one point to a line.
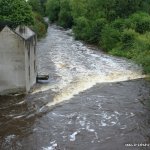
[15, 12]
[120, 27]
[19, 12]
[40, 26]
[38, 8]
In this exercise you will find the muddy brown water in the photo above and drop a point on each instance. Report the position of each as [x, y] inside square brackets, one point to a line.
[92, 102]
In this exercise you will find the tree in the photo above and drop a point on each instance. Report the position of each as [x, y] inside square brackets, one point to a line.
[79, 8]
[124, 8]
[53, 9]
[36, 5]
[43, 5]
[65, 17]
[15, 12]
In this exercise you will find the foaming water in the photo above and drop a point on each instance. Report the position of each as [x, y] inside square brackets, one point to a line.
[84, 83]
[77, 67]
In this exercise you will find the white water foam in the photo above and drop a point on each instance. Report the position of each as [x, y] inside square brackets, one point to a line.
[52, 147]
[84, 83]
[73, 136]
[78, 66]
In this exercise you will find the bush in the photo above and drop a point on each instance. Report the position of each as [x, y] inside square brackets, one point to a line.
[36, 6]
[142, 42]
[144, 60]
[119, 52]
[110, 38]
[128, 39]
[90, 31]
[120, 24]
[82, 28]
[65, 18]
[96, 29]
[140, 22]
[53, 9]
[40, 26]
[146, 64]
[15, 12]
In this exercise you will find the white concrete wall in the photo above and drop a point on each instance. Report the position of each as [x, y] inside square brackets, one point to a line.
[12, 61]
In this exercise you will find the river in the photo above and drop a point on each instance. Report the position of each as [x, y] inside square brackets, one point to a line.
[93, 101]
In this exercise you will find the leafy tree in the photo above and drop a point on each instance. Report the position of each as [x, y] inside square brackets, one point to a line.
[79, 8]
[15, 12]
[36, 6]
[110, 37]
[96, 30]
[65, 17]
[43, 5]
[53, 9]
[140, 22]
[82, 28]
[125, 8]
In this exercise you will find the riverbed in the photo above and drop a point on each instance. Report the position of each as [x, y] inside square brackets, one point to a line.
[93, 101]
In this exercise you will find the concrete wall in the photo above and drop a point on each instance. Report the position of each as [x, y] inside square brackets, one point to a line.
[12, 61]
[30, 62]
[33, 68]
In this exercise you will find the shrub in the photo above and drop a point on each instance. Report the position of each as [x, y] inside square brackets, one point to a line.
[15, 12]
[142, 42]
[82, 28]
[110, 38]
[120, 24]
[36, 6]
[65, 17]
[128, 39]
[140, 22]
[119, 52]
[144, 60]
[53, 9]
[40, 26]
[96, 29]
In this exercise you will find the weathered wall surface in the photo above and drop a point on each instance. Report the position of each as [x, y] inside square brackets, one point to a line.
[33, 63]
[30, 63]
[12, 61]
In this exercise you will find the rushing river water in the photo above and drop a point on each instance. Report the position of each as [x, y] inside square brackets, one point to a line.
[92, 101]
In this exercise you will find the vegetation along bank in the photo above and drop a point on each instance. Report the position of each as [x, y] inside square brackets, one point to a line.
[119, 27]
